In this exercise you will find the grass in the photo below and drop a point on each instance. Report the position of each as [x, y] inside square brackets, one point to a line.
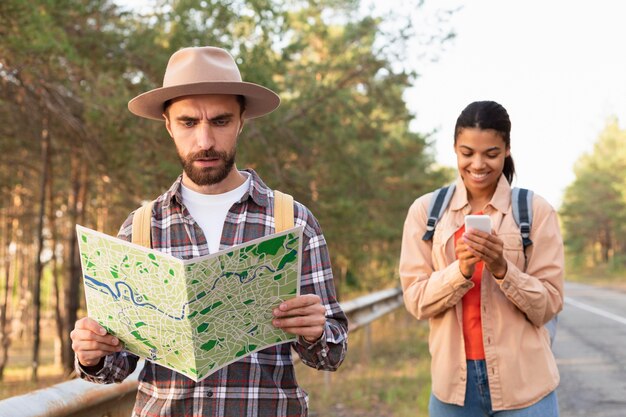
[390, 378]
[603, 275]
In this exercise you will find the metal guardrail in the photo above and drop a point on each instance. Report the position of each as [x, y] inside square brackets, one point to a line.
[364, 310]
[75, 398]
[78, 398]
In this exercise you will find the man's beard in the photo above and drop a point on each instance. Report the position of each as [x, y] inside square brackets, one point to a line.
[209, 175]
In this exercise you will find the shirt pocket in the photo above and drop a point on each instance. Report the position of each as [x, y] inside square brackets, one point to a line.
[513, 249]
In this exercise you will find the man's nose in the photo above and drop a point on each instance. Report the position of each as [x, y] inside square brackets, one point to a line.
[204, 136]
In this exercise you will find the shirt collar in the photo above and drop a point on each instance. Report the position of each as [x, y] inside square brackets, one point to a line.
[258, 191]
[501, 199]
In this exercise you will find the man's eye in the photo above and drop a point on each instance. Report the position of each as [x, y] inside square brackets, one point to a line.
[189, 123]
[467, 155]
[220, 122]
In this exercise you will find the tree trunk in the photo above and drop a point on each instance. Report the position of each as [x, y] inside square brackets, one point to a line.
[45, 157]
[20, 272]
[77, 201]
[12, 271]
[59, 340]
[608, 242]
[20, 322]
[5, 329]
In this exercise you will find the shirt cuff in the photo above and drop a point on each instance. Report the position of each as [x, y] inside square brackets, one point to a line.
[457, 280]
[98, 375]
[510, 273]
[321, 341]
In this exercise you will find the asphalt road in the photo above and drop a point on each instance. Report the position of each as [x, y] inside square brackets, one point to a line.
[590, 348]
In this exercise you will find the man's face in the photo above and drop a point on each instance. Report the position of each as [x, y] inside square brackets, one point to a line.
[205, 130]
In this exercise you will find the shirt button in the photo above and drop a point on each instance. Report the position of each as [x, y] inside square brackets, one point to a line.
[505, 285]
[209, 393]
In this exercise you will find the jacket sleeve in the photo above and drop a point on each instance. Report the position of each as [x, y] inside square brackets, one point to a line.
[538, 292]
[427, 292]
[329, 350]
[119, 365]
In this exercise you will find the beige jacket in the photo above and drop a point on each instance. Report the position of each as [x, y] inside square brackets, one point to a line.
[521, 366]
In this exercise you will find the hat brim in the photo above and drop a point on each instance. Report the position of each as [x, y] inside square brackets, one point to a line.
[259, 100]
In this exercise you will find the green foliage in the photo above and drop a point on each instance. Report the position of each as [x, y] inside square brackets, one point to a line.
[594, 206]
[340, 142]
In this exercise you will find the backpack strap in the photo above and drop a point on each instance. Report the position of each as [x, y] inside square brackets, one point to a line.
[438, 204]
[283, 211]
[142, 218]
[522, 204]
[142, 225]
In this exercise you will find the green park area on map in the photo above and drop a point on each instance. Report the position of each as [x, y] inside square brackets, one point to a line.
[194, 316]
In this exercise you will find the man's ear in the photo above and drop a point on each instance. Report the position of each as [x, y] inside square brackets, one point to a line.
[168, 125]
[241, 123]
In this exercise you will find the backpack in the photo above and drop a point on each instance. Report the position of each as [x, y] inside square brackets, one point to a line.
[142, 218]
[522, 205]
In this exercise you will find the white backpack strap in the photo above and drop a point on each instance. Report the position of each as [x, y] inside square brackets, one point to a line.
[283, 211]
[142, 225]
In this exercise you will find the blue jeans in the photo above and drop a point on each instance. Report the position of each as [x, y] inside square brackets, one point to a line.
[478, 400]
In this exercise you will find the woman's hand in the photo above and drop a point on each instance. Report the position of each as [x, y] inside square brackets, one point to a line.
[467, 258]
[487, 248]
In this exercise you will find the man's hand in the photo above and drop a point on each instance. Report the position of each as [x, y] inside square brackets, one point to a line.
[489, 249]
[91, 342]
[303, 316]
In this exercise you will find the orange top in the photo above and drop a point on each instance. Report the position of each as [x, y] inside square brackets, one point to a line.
[472, 324]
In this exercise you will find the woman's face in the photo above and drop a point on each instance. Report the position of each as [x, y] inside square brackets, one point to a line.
[480, 159]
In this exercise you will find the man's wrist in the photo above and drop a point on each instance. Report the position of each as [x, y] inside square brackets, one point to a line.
[93, 369]
[305, 342]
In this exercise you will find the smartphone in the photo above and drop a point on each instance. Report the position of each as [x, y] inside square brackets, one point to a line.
[480, 222]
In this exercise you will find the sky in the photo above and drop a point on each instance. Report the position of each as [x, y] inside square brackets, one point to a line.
[558, 67]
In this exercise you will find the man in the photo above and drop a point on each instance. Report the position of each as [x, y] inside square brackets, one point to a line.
[211, 206]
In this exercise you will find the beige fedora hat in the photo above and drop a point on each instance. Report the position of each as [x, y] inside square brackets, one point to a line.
[203, 70]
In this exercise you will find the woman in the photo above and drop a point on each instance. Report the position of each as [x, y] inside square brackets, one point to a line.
[487, 299]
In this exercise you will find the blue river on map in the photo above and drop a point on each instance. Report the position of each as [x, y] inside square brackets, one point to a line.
[116, 293]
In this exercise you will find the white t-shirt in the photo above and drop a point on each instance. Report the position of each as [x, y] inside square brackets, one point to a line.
[210, 210]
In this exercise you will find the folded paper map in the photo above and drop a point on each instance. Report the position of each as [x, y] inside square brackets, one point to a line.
[194, 316]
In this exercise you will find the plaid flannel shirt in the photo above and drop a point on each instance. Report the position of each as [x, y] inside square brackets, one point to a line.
[263, 383]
